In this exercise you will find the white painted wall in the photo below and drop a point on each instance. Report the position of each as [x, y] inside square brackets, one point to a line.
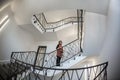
[13, 38]
[67, 35]
[111, 47]
[51, 45]
[94, 33]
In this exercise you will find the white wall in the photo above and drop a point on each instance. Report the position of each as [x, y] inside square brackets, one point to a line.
[51, 45]
[13, 38]
[67, 35]
[94, 33]
[111, 48]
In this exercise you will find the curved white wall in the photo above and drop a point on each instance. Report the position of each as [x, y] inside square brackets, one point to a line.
[13, 38]
[111, 48]
[94, 33]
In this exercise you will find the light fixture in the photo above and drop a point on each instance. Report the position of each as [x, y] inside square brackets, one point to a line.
[3, 22]
[4, 19]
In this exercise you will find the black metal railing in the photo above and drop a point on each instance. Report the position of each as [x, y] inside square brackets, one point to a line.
[97, 72]
[71, 50]
[25, 66]
[41, 21]
[23, 56]
[22, 63]
[38, 23]
[53, 25]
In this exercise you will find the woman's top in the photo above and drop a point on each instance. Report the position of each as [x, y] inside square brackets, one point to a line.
[59, 50]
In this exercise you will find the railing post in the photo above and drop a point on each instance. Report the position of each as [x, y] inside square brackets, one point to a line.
[80, 27]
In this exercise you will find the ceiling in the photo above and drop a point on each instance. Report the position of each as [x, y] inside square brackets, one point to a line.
[24, 9]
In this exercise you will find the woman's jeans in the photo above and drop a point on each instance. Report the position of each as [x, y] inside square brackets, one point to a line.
[58, 61]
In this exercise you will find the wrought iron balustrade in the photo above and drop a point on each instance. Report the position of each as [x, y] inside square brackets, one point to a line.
[53, 25]
[24, 57]
[96, 72]
[69, 52]
[24, 69]
[21, 64]
[71, 49]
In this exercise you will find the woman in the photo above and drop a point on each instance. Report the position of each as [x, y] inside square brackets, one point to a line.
[59, 53]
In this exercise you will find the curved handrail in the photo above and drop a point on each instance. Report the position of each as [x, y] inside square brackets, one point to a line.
[53, 25]
[39, 67]
[95, 72]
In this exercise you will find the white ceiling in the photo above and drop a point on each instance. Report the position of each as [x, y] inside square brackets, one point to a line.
[24, 9]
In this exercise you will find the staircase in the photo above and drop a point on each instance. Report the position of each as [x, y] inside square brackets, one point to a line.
[39, 65]
[40, 22]
[24, 66]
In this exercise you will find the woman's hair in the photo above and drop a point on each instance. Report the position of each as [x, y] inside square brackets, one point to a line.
[60, 41]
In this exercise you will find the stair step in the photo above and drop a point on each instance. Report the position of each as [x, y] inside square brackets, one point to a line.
[3, 73]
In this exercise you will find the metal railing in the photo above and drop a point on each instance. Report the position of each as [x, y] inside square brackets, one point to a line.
[25, 66]
[53, 25]
[23, 57]
[70, 51]
[20, 64]
[97, 72]
[36, 22]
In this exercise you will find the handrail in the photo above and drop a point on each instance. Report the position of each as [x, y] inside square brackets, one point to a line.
[69, 52]
[60, 25]
[42, 16]
[94, 72]
[63, 46]
[27, 57]
[40, 23]
[52, 68]
[60, 20]
[56, 21]
[23, 51]
[52, 56]
[101, 71]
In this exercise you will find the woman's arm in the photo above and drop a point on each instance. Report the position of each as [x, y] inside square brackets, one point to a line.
[57, 46]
